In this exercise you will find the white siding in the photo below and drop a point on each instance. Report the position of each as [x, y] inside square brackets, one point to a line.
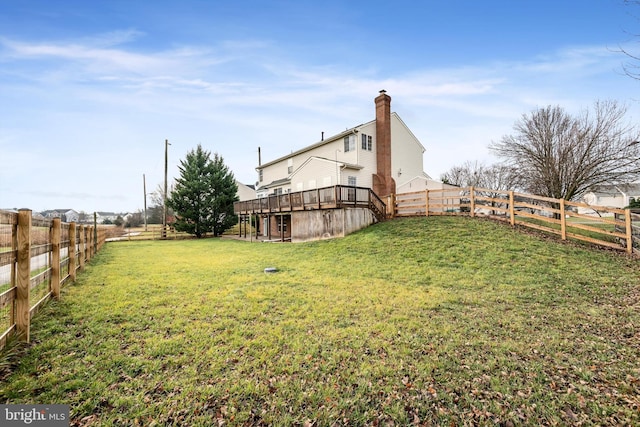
[406, 153]
[367, 159]
[406, 158]
[421, 183]
[245, 192]
[315, 173]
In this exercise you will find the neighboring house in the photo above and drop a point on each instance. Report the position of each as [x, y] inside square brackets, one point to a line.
[304, 202]
[610, 195]
[245, 192]
[101, 217]
[422, 183]
[66, 215]
[382, 154]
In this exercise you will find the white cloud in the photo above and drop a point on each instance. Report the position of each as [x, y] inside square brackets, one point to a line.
[115, 101]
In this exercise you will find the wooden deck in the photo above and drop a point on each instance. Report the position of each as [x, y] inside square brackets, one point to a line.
[339, 196]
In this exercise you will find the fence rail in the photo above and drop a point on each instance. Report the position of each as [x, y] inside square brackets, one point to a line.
[37, 258]
[602, 225]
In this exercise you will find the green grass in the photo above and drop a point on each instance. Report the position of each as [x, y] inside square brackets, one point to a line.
[447, 321]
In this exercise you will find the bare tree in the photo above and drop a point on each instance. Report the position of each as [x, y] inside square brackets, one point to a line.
[494, 177]
[632, 66]
[464, 175]
[557, 155]
[489, 181]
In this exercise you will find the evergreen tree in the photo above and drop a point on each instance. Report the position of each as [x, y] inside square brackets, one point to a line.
[203, 195]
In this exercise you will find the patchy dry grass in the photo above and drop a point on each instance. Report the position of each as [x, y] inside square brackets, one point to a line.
[447, 321]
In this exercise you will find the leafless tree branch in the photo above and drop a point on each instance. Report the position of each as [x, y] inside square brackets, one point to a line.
[557, 155]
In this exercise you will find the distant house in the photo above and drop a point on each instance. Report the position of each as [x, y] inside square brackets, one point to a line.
[66, 215]
[245, 192]
[422, 183]
[101, 217]
[610, 195]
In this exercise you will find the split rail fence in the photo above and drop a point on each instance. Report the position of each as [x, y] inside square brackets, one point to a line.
[37, 258]
[601, 225]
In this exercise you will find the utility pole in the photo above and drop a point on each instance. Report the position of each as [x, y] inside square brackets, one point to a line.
[164, 208]
[144, 187]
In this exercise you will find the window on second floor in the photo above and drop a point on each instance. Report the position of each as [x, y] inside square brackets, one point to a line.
[290, 166]
[367, 142]
[349, 143]
[260, 175]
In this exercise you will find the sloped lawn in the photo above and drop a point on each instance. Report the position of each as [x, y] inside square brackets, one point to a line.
[446, 321]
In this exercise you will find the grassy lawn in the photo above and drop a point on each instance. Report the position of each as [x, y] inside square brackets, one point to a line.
[446, 321]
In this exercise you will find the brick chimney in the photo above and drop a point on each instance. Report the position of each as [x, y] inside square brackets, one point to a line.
[383, 183]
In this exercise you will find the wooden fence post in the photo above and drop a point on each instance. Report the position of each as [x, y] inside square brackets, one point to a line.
[72, 251]
[91, 245]
[392, 204]
[426, 202]
[512, 209]
[563, 221]
[95, 233]
[472, 200]
[87, 243]
[628, 230]
[55, 257]
[23, 279]
[81, 248]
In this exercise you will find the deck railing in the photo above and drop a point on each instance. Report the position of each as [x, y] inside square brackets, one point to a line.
[338, 196]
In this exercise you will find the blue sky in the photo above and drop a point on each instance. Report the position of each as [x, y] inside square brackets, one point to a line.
[90, 90]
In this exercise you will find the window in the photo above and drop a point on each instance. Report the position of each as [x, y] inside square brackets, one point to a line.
[351, 192]
[367, 142]
[289, 165]
[260, 175]
[349, 143]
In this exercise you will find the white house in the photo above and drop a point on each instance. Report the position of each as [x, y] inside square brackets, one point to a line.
[610, 195]
[309, 193]
[382, 154]
[67, 215]
[245, 192]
